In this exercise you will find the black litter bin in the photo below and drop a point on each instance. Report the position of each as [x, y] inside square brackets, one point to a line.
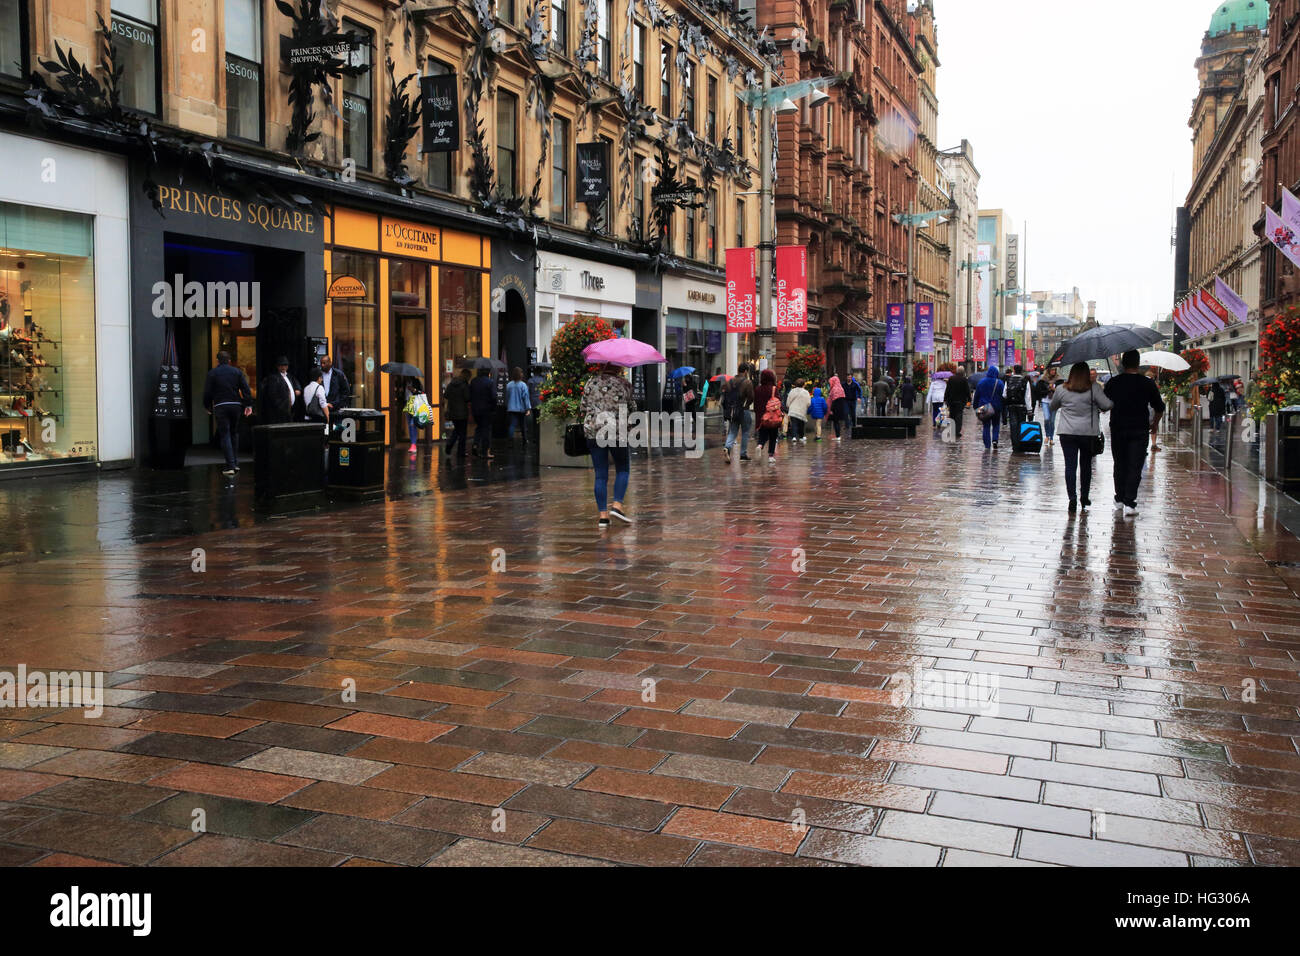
[356, 450]
[1288, 470]
[287, 460]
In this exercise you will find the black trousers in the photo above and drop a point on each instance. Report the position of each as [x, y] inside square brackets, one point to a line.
[461, 427]
[482, 432]
[956, 414]
[227, 417]
[1130, 453]
[1078, 453]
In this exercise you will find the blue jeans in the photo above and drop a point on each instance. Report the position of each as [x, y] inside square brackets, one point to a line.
[1049, 423]
[742, 427]
[991, 429]
[520, 420]
[600, 462]
[413, 427]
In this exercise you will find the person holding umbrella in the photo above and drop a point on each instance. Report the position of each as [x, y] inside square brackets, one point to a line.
[603, 395]
[482, 403]
[1135, 396]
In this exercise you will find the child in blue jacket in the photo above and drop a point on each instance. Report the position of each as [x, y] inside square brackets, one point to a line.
[817, 410]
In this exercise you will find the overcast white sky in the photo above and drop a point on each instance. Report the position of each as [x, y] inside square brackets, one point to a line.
[1077, 114]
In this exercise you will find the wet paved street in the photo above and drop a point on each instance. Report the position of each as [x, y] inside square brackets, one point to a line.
[707, 687]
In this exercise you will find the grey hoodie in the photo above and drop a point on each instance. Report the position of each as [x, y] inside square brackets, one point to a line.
[1079, 413]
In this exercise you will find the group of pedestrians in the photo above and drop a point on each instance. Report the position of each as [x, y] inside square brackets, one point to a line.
[792, 409]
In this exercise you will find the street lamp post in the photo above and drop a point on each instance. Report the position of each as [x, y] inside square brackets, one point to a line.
[912, 219]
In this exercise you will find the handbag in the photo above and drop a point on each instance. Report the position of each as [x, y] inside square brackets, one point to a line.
[1098, 440]
[688, 396]
[575, 440]
[985, 412]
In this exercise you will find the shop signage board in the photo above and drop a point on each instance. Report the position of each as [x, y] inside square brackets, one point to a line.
[411, 240]
[440, 114]
[593, 172]
[347, 287]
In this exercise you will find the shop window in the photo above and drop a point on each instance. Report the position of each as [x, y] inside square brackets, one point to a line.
[711, 118]
[438, 165]
[665, 79]
[507, 122]
[604, 13]
[506, 10]
[356, 329]
[357, 96]
[460, 316]
[639, 219]
[713, 227]
[135, 34]
[13, 39]
[740, 128]
[243, 70]
[48, 399]
[560, 171]
[638, 61]
[688, 93]
[740, 224]
[559, 26]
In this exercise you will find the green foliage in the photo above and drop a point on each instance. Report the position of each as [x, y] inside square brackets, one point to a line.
[561, 393]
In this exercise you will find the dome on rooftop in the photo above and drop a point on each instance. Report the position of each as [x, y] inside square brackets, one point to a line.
[1236, 16]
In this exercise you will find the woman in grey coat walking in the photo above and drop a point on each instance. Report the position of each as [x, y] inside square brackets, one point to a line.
[1076, 407]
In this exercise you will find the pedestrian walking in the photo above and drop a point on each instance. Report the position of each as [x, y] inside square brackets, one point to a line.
[1218, 405]
[853, 392]
[880, 393]
[482, 403]
[1135, 397]
[315, 399]
[227, 396]
[338, 390]
[456, 399]
[603, 395]
[907, 396]
[519, 405]
[839, 400]
[767, 405]
[957, 396]
[817, 409]
[1077, 406]
[934, 397]
[797, 403]
[415, 402]
[737, 405]
[988, 405]
[1040, 393]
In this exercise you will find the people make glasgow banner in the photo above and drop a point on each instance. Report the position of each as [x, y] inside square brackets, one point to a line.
[741, 310]
[791, 297]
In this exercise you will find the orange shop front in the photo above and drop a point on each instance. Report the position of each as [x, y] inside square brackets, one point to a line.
[403, 291]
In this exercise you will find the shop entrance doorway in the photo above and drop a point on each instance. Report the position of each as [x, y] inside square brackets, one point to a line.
[231, 278]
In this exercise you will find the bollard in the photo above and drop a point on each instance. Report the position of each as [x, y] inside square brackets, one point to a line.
[1268, 447]
[1229, 423]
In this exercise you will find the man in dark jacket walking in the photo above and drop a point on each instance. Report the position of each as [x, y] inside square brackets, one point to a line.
[1131, 422]
[482, 403]
[456, 407]
[227, 396]
[338, 390]
[957, 396]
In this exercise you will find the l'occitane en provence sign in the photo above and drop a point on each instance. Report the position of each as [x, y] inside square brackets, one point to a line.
[401, 238]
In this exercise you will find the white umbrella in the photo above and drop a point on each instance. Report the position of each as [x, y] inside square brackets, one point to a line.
[1171, 361]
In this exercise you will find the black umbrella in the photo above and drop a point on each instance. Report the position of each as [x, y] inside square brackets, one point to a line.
[1103, 342]
[490, 363]
[401, 368]
[1211, 379]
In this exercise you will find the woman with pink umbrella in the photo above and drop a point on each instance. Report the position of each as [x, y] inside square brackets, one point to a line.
[603, 395]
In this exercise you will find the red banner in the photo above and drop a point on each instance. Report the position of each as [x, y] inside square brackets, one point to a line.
[741, 311]
[1029, 358]
[981, 343]
[1215, 308]
[791, 298]
[958, 344]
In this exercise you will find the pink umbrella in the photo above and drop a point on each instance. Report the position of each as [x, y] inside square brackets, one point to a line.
[628, 353]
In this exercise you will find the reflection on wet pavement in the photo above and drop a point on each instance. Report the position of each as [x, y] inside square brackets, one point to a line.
[868, 653]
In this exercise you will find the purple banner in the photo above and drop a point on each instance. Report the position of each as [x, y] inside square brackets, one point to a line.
[1009, 353]
[894, 334]
[924, 327]
[713, 341]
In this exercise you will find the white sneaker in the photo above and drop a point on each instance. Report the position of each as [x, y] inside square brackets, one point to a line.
[1119, 505]
[771, 459]
[1129, 512]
